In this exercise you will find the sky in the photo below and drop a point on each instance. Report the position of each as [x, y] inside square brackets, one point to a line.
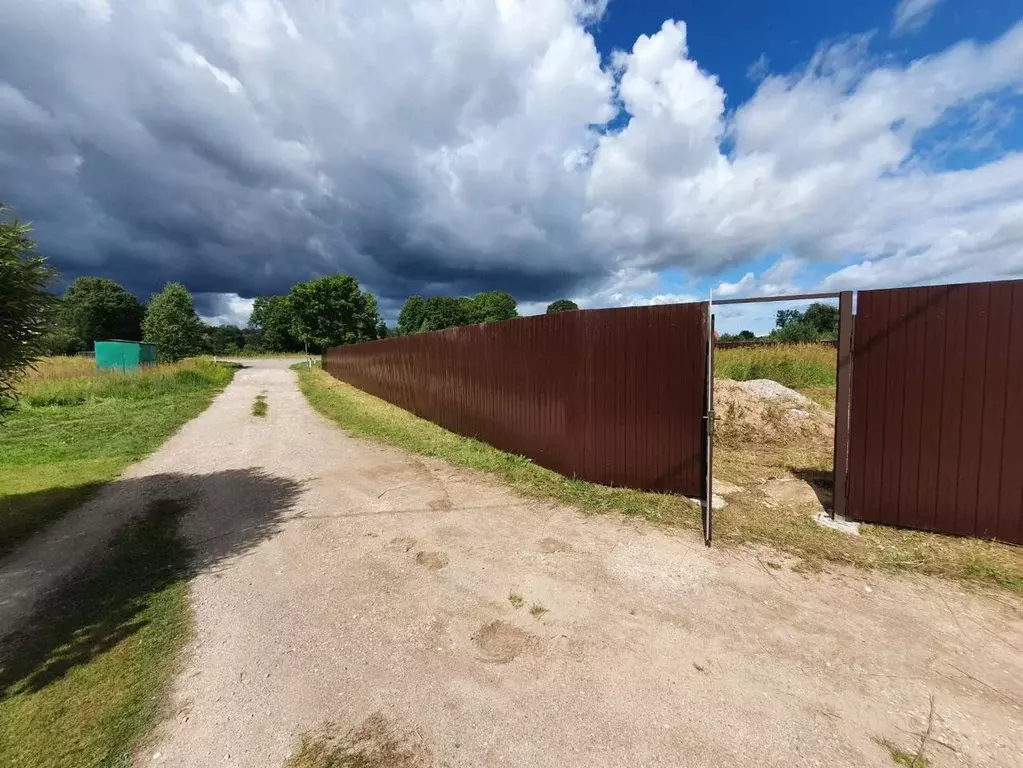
[609, 151]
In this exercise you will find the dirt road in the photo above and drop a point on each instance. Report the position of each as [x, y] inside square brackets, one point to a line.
[376, 587]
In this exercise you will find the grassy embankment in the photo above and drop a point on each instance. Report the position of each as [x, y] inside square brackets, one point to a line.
[75, 428]
[81, 683]
[745, 460]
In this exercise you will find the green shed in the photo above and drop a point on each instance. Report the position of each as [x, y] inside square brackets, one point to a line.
[118, 355]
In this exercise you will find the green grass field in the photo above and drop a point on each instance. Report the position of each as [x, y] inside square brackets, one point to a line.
[81, 684]
[800, 366]
[74, 429]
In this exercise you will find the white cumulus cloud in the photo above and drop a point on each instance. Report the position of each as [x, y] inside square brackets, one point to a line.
[459, 145]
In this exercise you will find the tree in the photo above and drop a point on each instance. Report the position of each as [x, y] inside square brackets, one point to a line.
[787, 317]
[410, 319]
[59, 340]
[438, 312]
[225, 339]
[493, 307]
[820, 321]
[172, 324]
[740, 336]
[796, 332]
[25, 304]
[561, 305]
[97, 308]
[824, 318]
[370, 322]
[444, 312]
[273, 319]
[330, 311]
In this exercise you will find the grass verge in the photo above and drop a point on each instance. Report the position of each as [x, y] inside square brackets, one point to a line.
[795, 365]
[785, 527]
[259, 406]
[376, 743]
[75, 429]
[83, 682]
[363, 415]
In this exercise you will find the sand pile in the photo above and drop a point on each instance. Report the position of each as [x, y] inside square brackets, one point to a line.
[762, 411]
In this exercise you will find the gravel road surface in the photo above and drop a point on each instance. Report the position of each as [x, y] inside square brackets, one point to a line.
[349, 582]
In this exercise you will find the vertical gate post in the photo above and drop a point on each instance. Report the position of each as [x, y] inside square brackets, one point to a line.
[842, 402]
[708, 501]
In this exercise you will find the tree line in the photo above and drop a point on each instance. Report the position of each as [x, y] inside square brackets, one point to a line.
[819, 322]
[419, 315]
[314, 315]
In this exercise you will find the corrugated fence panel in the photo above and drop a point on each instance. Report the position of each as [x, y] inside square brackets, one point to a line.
[613, 396]
[935, 424]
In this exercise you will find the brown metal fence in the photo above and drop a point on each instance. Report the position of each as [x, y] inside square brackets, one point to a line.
[613, 396]
[936, 421]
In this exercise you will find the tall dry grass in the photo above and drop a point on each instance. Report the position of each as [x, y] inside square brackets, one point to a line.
[795, 365]
[53, 368]
[60, 368]
[63, 381]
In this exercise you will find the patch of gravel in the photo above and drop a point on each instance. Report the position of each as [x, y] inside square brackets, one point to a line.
[766, 389]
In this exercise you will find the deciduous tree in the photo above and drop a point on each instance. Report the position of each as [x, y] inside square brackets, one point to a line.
[172, 324]
[444, 312]
[819, 321]
[330, 311]
[493, 307]
[561, 305]
[97, 308]
[273, 319]
[410, 319]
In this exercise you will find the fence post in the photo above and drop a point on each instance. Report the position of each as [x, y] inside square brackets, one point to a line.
[708, 503]
[842, 403]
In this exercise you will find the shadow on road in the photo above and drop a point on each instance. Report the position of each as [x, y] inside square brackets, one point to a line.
[98, 607]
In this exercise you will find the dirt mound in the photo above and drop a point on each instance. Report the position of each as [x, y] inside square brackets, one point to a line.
[766, 389]
[772, 417]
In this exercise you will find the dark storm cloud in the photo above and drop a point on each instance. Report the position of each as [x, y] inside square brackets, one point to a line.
[240, 146]
[141, 159]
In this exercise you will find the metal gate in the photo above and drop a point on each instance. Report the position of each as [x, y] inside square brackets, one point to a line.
[936, 421]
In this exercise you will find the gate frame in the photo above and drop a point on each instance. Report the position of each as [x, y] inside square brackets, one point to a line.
[709, 423]
[843, 374]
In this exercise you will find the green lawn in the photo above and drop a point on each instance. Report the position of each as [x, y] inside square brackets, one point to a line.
[70, 435]
[81, 683]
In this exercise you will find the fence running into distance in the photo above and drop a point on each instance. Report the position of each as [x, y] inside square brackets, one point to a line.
[613, 396]
[933, 438]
